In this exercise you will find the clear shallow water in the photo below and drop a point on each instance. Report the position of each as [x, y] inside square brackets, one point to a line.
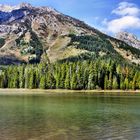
[69, 117]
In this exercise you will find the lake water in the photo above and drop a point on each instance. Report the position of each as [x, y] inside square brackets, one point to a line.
[69, 117]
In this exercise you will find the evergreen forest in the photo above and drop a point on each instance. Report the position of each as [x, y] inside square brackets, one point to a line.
[86, 75]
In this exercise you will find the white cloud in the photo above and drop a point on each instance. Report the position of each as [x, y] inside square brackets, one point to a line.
[126, 8]
[123, 23]
[129, 18]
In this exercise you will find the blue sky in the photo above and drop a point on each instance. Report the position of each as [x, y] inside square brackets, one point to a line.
[109, 16]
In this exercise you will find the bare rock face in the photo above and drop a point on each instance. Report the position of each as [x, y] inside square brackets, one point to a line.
[129, 38]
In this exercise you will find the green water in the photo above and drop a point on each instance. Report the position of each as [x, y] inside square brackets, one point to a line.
[69, 117]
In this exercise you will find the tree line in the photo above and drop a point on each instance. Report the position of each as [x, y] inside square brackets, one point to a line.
[97, 74]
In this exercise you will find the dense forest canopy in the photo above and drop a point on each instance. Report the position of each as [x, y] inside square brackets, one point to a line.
[89, 74]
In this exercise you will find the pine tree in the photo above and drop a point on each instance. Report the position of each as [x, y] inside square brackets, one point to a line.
[134, 83]
[106, 82]
[31, 80]
[42, 84]
[21, 77]
[67, 80]
[91, 79]
[63, 74]
[115, 83]
[74, 82]
[126, 83]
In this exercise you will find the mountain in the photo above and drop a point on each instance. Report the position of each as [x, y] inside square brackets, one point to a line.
[34, 34]
[129, 38]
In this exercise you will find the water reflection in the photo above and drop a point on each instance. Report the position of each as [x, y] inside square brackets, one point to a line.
[72, 117]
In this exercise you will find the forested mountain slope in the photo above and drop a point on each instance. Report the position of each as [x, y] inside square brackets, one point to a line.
[41, 34]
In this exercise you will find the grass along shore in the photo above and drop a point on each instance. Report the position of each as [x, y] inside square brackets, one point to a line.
[59, 91]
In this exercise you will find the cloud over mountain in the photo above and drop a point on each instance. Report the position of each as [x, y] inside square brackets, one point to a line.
[125, 8]
[127, 17]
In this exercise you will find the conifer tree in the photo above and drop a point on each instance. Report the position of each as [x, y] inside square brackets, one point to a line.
[42, 84]
[67, 79]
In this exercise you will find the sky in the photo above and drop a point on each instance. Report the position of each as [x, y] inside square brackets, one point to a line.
[109, 16]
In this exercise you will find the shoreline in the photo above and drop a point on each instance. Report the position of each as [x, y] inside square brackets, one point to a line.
[59, 91]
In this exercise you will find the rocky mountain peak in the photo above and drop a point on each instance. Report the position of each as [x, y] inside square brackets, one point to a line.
[8, 8]
[25, 5]
[129, 38]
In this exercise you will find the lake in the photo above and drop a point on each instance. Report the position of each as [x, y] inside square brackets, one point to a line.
[69, 117]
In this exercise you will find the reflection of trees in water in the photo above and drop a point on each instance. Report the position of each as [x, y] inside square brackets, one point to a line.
[68, 117]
